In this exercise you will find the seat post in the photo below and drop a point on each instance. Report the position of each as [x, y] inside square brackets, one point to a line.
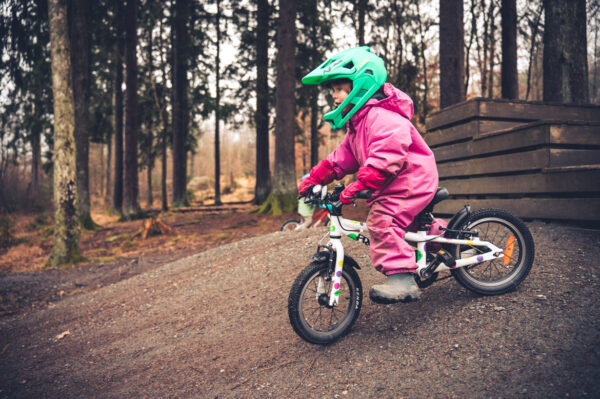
[425, 219]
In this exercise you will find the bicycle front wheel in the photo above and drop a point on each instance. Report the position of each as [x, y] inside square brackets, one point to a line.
[308, 305]
[500, 275]
[290, 225]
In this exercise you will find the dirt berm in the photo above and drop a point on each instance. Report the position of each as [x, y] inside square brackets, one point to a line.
[215, 325]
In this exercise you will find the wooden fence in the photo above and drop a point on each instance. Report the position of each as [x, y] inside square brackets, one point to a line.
[535, 160]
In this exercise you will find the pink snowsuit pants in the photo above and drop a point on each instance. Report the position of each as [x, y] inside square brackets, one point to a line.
[390, 253]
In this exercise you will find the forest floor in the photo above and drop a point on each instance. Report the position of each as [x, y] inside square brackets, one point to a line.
[116, 250]
[203, 313]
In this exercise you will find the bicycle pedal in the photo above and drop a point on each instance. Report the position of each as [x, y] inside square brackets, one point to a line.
[446, 258]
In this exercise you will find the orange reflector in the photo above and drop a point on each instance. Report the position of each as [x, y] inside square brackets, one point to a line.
[508, 250]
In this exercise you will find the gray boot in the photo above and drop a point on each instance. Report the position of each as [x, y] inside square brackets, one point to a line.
[400, 287]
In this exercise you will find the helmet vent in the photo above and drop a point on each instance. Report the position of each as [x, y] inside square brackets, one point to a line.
[349, 65]
[368, 72]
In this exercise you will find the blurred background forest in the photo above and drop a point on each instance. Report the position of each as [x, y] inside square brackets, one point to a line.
[175, 101]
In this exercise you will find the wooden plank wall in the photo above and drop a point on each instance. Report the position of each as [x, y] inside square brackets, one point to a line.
[535, 160]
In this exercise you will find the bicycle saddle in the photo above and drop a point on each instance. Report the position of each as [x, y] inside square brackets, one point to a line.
[441, 194]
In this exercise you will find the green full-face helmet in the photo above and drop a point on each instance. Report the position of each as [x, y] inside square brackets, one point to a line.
[363, 68]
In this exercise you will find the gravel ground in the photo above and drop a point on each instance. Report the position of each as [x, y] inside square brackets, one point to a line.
[215, 325]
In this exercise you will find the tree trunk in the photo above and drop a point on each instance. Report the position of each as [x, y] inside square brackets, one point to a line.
[283, 196]
[131, 207]
[149, 142]
[510, 77]
[492, 44]
[36, 156]
[101, 175]
[66, 224]
[164, 123]
[451, 53]
[191, 156]
[217, 106]
[361, 8]
[117, 195]
[314, 90]
[108, 164]
[424, 66]
[80, 41]
[534, 28]
[470, 44]
[565, 52]
[578, 88]
[482, 52]
[595, 96]
[180, 104]
[314, 127]
[261, 118]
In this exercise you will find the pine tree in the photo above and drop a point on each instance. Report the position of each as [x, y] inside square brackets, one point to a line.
[119, 48]
[66, 223]
[80, 40]
[131, 207]
[510, 82]
[314, 40]
[180, 32]
[27, 103]
[565, 52]
[283, 196]
[261, 118]
[452, 68]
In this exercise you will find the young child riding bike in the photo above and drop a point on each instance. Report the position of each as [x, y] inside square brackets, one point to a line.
[389, 156]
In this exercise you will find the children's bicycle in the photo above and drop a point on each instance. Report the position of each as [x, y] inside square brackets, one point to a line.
[320, 217]
[488, 251]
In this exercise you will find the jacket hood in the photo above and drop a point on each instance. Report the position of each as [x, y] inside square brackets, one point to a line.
[396, 101]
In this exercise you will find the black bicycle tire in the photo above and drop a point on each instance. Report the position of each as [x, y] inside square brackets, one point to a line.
[287, 222]
[526, 253]
[294, 305]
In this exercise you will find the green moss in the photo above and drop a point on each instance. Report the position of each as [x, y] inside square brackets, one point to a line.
[95, 251]
[118, 237]
[65, 262]
[41, 221]
[87, 223]
[277, 203]
[136, 214]
[130, 244]
[104, 259]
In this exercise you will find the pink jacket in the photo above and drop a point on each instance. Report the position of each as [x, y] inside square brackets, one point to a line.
[381, 136]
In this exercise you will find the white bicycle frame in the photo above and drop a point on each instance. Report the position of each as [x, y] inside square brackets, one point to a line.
[353, 229]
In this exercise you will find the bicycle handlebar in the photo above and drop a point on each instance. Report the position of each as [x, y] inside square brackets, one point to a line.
[364, 194]
[332, 198]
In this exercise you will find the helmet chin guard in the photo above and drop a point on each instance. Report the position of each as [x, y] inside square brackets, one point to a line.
[363, 68]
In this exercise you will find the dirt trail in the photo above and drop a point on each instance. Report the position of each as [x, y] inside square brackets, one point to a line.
[215, 325]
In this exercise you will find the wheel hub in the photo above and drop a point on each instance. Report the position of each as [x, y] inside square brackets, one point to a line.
[324, 300]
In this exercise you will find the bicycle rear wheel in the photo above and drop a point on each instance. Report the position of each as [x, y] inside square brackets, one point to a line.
[500, 275]
[308, 304]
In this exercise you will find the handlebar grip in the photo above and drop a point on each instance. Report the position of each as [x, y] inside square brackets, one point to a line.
[363, 194]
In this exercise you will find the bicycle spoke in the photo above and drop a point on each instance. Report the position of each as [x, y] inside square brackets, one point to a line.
[500, 272]
[494, 239]
[315, 308]
[336, 309]
[315, 311]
